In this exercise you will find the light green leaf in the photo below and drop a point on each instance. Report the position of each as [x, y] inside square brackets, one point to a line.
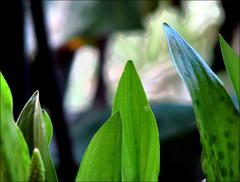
[102, 159]
[140, 139]
[49, 127]
[232, 63]
[31, 122]
[37, 171]
[15, 159]
[217, 118]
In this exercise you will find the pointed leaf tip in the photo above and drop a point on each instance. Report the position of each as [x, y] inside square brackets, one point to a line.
[232, 64]
[36, 93]
[167, 29]
[165, 25]
[140, 158]
[35, 150]
[37, 170]
[206, 90]
[129, 64]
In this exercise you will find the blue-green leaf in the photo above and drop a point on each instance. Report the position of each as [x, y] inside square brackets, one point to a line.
[102, 159]
[217, 118]
[140, 140]
[33, 125]
[15, 159]
[232, 63]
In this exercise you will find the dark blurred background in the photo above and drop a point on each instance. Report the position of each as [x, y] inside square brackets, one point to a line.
[73, 52]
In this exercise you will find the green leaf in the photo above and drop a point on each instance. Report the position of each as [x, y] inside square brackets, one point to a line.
[49, 127]
[15, 159]
[217, 118]
[232, 63]
[37, 132]
[102, 159]
[37, 171]
[140, 139]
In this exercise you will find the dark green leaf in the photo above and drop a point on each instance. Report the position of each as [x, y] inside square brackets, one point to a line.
[31, 122]
[37, 171]
[140, 139]
[232, 63]
[15, 159]
[217, 118]
[102, 159]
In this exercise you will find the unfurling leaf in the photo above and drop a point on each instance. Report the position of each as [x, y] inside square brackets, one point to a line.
[37, 130]
[37, 170]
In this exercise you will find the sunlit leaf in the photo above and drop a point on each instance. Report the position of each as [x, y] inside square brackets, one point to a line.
[140, 139]
[217, 118]
[15, 159]
[232, 63]
[102, 159]
[37, 170]
[32, 124]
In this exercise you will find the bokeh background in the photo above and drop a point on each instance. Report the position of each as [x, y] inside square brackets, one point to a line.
[74, 52]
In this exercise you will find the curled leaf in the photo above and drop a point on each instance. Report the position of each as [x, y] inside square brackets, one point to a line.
[37, 131]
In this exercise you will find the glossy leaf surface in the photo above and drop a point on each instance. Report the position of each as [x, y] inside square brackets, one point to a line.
[140, 139]
[217, 118]
[15, 159]
[102, 159]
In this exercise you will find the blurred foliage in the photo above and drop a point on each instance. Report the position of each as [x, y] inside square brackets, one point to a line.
[94, 18]
[149, 51]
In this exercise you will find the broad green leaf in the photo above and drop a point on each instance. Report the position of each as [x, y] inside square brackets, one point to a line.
[15, 159]
[37, 170]
[49, 127]
[140, 139]
[102, 159]
[232, 63]
[218, 120]
[32, 124]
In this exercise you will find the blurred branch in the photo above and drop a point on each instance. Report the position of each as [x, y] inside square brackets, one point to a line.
[100, 97]
[47, 77]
